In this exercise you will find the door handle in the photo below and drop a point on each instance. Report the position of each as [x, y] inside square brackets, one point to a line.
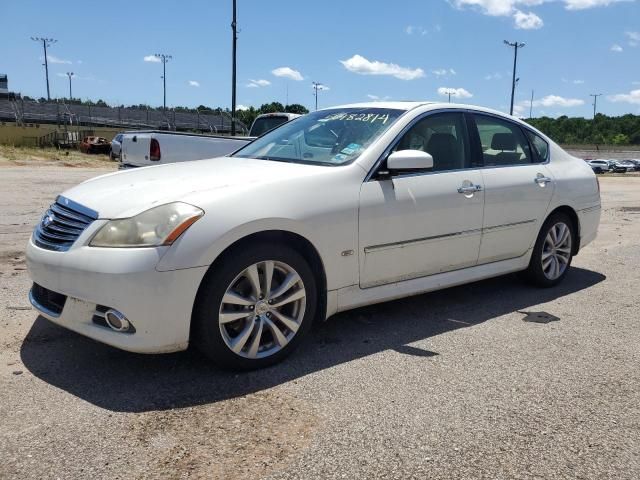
[542, 180]
[470, 189]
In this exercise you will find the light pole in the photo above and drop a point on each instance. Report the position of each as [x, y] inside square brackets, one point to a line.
[46, 42]
[316, 86]
[595, 102]
[70, 75]
[531, 105]
[164, 58]
[515, 46]
[449, 93]
[234, 30]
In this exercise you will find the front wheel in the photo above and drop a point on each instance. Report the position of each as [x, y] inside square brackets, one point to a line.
[553, 251]
[254, 307]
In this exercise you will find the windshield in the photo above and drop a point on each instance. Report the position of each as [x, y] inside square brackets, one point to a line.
[327, 137]
[264, 124]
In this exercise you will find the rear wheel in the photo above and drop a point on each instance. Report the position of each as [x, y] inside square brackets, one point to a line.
[553, 251]
[255, 307]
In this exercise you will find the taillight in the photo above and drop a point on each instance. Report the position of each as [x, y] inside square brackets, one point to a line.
[154, 150]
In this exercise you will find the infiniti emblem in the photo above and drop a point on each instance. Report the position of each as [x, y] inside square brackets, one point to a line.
[47, 220]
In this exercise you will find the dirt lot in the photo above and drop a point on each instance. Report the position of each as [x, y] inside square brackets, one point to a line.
[452, 384]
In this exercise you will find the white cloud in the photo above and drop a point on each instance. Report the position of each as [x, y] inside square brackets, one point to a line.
[493, 76]
[616, 48]
[578, 82]
[377, 98]
[287, 72]
[411, 29]
[194, 83]
[322, 88]
[151, 58]
[557, 101]
[242, 107]
[360, 65]
[527, 21]
[634, 38]
[258, 83]
[455, 92]
[443, 72]
[54, 59]
[632, 97]
[584, 4]
[522, 20]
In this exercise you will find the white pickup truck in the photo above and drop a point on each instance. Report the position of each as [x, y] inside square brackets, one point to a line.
[152, 147]
[144, 148]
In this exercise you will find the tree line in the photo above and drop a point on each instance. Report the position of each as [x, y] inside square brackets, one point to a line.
[602, 130]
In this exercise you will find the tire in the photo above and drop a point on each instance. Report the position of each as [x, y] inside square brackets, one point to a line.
[215, 329]
[556, 252]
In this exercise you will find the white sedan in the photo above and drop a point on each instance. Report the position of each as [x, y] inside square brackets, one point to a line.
[341, 208]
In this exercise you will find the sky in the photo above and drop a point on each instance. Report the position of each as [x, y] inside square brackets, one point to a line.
[360, 50]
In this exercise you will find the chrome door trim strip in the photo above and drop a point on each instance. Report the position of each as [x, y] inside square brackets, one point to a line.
[507, 225]
[404, 243]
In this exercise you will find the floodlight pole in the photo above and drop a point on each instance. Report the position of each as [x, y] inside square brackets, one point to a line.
[316, 86]
[234, 30]
[164, 58]
[595, 102]
[46, 42]
[515, 46]
[449, 93]
[70, 74]
[531, 105]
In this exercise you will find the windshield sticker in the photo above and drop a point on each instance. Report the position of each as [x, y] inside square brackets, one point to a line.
[358, 117]
[339, 158]
[351, 149]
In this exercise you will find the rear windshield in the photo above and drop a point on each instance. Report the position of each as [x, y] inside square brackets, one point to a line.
[264, 124]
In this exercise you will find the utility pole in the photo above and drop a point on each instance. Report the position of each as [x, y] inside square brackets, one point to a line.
[531, 106]
[164, 58]
[234, 29]
[316, 86]
[595, 102]
[515, 46]
[70, 74]
[46, 42]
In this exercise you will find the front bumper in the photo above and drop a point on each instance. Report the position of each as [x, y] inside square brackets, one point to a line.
[158, 304]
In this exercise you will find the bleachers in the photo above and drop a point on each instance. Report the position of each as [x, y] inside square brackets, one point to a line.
[26, 111]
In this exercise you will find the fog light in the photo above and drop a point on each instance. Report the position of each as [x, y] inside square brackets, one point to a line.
[116, 320]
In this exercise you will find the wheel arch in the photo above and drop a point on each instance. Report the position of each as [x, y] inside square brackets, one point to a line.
[301, 244]
[572, 214]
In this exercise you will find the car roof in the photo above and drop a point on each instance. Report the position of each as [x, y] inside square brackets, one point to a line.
[410, 105]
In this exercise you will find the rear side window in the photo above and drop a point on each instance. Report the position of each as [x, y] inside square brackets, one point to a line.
[264, 124]
[503, 142]
[540, 146]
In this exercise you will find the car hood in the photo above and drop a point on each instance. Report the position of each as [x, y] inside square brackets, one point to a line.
[127, 193]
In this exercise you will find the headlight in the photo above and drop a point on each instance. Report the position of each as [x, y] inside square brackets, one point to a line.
[158, 226]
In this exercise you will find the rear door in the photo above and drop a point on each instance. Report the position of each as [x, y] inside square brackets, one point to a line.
[518, 187]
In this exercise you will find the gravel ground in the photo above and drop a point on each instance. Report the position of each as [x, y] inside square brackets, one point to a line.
[452, 384]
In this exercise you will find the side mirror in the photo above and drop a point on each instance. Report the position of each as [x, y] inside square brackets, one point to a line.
[409, 160]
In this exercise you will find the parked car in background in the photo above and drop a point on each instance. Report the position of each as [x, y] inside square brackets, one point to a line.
[268, 121]
[636, 165]
[616, 166]
[155, 147]
[599, 166]
[341, 208]
[95, 145]
[627, 164]
[116, 146]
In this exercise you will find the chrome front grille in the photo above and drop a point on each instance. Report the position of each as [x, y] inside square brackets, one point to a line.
[62, 224]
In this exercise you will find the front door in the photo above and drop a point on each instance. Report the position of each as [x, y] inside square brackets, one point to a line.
[416, 224]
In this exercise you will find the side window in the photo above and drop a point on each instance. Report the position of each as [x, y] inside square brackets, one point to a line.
[540, 146]
[503, 142]
[442, 135]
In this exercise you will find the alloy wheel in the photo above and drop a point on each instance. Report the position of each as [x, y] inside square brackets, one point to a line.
[262, 309]
[556, 251]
